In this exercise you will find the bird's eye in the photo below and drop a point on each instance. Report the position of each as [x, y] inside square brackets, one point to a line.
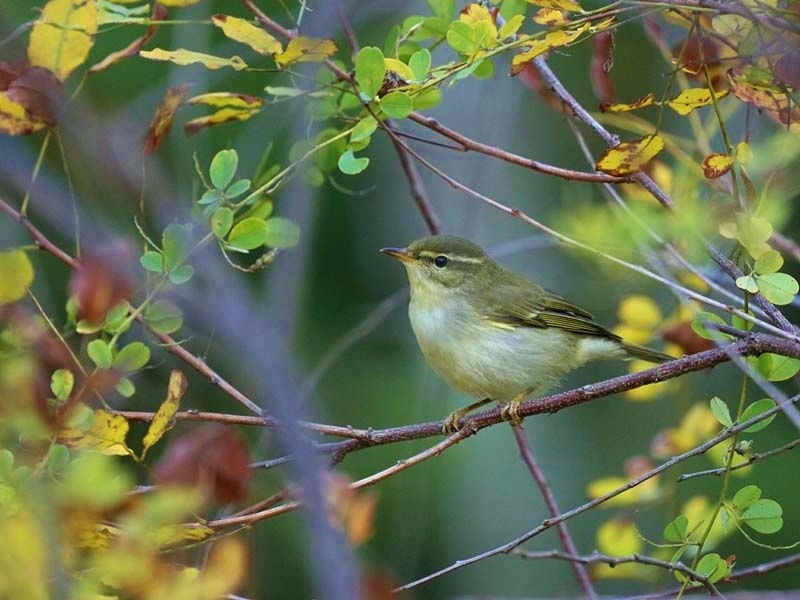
[440, 261]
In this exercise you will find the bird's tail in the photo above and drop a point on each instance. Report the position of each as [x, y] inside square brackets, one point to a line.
[648, 354]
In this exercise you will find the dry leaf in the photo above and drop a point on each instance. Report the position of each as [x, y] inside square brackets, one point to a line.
[716, 165]
[627, 158]
[161, 122]
[162, 421]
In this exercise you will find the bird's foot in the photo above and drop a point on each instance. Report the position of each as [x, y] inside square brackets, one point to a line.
[510, 413]
[450, 425]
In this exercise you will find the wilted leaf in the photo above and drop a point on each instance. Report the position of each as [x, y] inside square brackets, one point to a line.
[647, 100]
[569, 5]
[353, 510]
[16, 275]
[688, 100]
[100, 283]
[627, 158]
[62, 36]
[187, 57]
[14, 119]
[162, 421]
[716, 165]
[305, 49]
[213, 459]
[161, 123]
[37, 90]
[757, 87]
[554, 39]
[245, 32]
[106, 434]
[159, 14]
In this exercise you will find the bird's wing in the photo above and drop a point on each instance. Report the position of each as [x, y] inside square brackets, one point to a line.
[521, 303]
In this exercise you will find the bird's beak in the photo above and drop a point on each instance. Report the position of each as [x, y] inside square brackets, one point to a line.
[400, 254]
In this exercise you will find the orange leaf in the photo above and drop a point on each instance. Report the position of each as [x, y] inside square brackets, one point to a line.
[716, 165]
[627, 158]
[245, 32]
[63, 35]
[305, 49]
[647, 100]
[161, 123]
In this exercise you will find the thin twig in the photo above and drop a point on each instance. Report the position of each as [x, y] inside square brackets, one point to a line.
[539, 478]
[754, 458]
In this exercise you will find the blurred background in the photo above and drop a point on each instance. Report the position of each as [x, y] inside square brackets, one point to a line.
[295, 320]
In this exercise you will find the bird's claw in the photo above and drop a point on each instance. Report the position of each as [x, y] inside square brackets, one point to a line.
[510, 413]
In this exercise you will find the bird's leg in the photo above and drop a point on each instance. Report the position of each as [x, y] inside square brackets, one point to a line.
[510, 410]
[451, 422]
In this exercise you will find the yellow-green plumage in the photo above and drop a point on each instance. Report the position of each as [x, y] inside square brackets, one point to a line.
[493, 333]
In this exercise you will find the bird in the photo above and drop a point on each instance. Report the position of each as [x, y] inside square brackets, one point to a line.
[492, 333]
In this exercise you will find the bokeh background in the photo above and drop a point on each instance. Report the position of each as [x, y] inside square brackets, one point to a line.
[290, 318]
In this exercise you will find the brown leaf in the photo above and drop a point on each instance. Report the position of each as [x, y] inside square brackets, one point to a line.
[601, 65]
[161, 124]
[101, 282]
[756, 86]
[39, 91]
[682, 335]
[159, 14]
[378, 585]
[211, 458]
[696, 51]
[353, 510]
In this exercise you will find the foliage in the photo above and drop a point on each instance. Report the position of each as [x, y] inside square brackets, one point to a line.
[698, 176]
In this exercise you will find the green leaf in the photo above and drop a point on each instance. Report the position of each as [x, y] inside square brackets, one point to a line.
[775, 367]
[397, 105]
[363, 129]
[116, 320]
[747, 283]
[745, 497]
[420, 64]
[755, 409]
[61, 383]
[221, 221]
[443, 9]
[484, 70]
[510, 27]
[100, 353]
[721, 411]
[176, 244]
[764, 516]
[428, 99]
[210, 197]
[16, 275]
[163, 316]
[675, 531]
[248, 233]
[350, 165]
[237, 188]
[152, 261]
[713, 566]
[132, 357]
[778, 288]
[281, 233]
[769, 262]
[181, 275]
[698, 325]
[223, 168]
[125, 387]
[461, 37]
[370, 70]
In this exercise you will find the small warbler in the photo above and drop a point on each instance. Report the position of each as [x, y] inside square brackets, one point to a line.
[494, 334]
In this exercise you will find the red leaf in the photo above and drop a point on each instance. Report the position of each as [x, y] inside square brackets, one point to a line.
[602, 63]
[38, 90]
[101, 282]
[161, 124]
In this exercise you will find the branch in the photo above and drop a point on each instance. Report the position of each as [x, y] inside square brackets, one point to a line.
[758, 456]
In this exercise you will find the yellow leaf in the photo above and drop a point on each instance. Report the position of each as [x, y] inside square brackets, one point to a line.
[305, 49]
[14, 119]
[227, 99]
[716, 165]
[627, 158]
[549, 16]
[16, 275]
[569, 5]
[187, 57]
[63, 35]
[554, 39]
[688, 100]
[106, 434]
[245, 32]
[604, 485]
[162, 421]
[225, 569]
[221, 116]
[399, 67]
[176, 534]
[24, 559]
[647, 100]
[640, 312]
[478, 13]
[619, 537]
